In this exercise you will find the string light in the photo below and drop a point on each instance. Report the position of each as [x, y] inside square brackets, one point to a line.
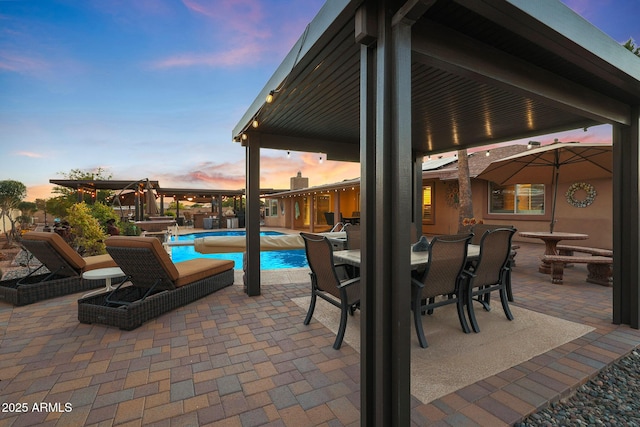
[488, 153]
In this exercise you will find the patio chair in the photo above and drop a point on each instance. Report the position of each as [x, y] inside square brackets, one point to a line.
[490, 273]
[442, 277]
[478, 231]
[326, 282]
[156, 284]
[60, 272]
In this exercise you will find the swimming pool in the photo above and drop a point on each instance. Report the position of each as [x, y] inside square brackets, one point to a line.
[271, 260]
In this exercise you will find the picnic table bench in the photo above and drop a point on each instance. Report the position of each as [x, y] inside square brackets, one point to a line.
[568, 250]
[600, 268]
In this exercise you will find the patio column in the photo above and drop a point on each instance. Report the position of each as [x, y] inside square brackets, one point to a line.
[626, 230]
[386, 176]
[252, 217]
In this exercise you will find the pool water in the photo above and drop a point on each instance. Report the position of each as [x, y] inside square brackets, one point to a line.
[271, 260]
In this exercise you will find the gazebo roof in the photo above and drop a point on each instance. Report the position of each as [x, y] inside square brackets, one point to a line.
[483, 71]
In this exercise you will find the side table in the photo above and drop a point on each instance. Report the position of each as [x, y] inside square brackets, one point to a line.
[102, 273]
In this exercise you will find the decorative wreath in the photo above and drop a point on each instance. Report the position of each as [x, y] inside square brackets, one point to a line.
[588, 188]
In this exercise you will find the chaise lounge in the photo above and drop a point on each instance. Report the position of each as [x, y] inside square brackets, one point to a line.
[65, 267]
[154, 284]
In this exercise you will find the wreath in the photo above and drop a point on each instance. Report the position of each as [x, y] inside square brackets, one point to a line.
[588, 188]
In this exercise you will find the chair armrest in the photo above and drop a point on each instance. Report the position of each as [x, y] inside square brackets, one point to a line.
[349, 282]
[417, 283]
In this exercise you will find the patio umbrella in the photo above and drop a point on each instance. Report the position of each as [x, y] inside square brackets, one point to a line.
[553, 163]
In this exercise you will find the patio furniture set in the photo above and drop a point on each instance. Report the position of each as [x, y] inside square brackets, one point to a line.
[450, 271]
[150, 283]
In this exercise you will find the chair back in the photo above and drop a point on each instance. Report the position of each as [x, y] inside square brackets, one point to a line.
[353, 236]
[447, 258]
[144, 260]
[52, 251]
[320, 258]
[330, 218]
[495, 248]
[478, 231]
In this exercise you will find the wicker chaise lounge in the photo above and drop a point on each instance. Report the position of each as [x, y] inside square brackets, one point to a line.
[65, 267]
[154, 284]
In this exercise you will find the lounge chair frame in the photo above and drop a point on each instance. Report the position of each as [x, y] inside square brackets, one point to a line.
[63, 278]
[148, 291]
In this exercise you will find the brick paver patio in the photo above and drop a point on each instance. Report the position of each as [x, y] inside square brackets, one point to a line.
[231, 360]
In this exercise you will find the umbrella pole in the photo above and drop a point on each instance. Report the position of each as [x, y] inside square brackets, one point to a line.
[555, 196]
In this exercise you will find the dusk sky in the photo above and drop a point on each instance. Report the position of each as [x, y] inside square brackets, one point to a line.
[153, 88]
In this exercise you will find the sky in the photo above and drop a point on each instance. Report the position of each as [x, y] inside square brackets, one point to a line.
[153, 88]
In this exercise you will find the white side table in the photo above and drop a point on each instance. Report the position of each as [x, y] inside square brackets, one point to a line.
[102, 273]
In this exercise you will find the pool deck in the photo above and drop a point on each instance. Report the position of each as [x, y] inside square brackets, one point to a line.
[232, 360]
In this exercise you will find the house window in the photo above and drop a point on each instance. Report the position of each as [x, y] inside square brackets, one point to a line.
[522, 199]
[273, 207]
[428, 202]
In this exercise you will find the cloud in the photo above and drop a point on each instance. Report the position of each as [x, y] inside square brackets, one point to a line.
[22, 64]
[234, 57]
[28, 154]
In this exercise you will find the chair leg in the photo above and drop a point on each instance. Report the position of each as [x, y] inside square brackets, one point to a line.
[312, 307]
[341, 330]
[471, 312]
[417, 319]
[505, 304]
[507, 281]
[461, 316]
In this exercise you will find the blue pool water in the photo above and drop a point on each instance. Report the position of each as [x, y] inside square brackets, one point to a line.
[271, 260]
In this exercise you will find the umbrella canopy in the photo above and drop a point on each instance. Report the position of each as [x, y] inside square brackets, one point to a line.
[550, 164]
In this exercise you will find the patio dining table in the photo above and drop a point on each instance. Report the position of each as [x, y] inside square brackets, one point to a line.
[419, 260]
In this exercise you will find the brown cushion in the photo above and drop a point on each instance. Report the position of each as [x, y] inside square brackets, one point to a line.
[150, 243]
[99, 261]
[59, 245]
[200, 268]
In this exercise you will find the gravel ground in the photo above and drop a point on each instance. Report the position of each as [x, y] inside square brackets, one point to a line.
[612, 398]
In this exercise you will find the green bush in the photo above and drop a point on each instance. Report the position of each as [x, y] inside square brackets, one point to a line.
[102, 213]
[128, 228]
[87, 233]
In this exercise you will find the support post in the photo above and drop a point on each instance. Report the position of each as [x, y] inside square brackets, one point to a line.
[626, 230]
[385, 155]
[252, 218]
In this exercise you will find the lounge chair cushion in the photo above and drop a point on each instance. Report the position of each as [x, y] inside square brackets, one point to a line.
[181, 273]
[98, 261]
[197, 269]
[73, 258]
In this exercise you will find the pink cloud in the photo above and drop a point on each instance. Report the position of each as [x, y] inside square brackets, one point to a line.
[22, 64]
[218, 59]
[28, 154]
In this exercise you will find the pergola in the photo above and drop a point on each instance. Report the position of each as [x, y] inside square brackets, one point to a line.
[386, 82]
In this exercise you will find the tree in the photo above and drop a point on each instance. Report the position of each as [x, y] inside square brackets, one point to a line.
[465, 208]
[631, 47]
[69, 196]
[11, 194]
[27, 209]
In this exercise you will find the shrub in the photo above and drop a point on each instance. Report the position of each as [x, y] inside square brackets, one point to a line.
[87, 234]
